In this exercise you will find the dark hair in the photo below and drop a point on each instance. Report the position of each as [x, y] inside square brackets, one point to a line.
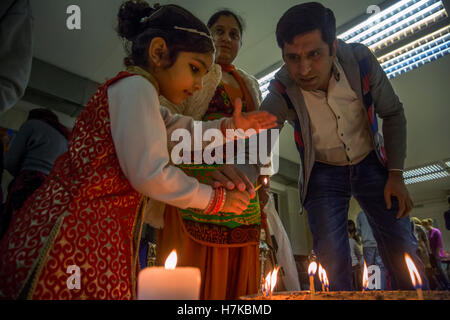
[228, 13]
[140, 23]
[50, 118]
[304, 18]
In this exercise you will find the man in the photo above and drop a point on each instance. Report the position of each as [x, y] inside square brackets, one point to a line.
[330, 91]
[370, 249]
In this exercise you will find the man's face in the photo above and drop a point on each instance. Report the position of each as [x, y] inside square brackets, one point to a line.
[308, 60]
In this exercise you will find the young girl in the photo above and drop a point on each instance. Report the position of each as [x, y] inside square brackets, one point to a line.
[77, 236]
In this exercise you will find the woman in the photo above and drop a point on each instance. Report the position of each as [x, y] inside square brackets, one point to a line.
[226, 250]
[39, 142]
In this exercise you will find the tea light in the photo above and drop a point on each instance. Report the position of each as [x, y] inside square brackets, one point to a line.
[169, 282]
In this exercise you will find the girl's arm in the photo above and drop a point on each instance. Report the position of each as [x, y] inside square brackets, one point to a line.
[140, 138]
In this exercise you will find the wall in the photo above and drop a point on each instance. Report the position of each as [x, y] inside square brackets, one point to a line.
[295, 224]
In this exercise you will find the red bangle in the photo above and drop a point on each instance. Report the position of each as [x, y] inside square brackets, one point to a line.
[211, 202]
[219, 200]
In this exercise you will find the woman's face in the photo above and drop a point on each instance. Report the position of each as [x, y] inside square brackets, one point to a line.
[227, 38]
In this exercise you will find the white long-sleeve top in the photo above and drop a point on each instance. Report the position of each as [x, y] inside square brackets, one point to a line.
[140, 128]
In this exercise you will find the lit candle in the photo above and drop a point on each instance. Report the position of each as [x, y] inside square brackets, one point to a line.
[325, 281]
[270, 282]
[311, 272]
[321, 276]
[365, 281]
[414, 274]
[169, 282]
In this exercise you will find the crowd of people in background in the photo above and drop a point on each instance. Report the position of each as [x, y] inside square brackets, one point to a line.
[429, 249]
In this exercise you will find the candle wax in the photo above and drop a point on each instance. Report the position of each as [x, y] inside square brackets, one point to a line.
[159, 283]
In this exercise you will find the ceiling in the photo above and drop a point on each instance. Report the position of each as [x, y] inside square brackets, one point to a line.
[95, 52]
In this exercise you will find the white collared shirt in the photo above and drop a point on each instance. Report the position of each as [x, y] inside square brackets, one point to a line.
[340, 130]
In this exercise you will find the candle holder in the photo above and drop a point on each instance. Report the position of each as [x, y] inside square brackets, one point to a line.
[263, 253]
[151, 255]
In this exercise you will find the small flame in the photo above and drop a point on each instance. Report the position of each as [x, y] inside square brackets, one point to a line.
[321, 271]
[265, 180]
[271, 281]
[365, 283]
[267, 283]
[325, 279]
[171, 261]
[413, 272]
[312, 268]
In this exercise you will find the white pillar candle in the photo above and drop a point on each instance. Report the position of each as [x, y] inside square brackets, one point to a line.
[164, 283]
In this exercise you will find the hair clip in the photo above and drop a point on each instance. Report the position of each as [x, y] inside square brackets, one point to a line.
[193, 31]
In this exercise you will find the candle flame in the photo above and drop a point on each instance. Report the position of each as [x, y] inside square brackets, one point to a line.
[265, 180]
[320, 273]
[312, 268]
[271, 281]
[267, 283]
[413, 272]
[325, 279]
[365, 283]
[171, 261]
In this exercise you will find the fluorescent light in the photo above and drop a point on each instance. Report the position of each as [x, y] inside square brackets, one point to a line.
[427, 177]
[373, 19]
[415, 62]
[384, 24]
[264, 82]
[403, 33]
[422, 170]
[395, 23]
[425, 39]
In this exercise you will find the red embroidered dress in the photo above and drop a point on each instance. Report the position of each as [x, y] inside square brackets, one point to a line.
[86, 214]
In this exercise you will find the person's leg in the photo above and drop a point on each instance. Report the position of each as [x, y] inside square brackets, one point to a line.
[394, 236]
[327, 203]
[441, 276]
[369, 255]
[379, 262]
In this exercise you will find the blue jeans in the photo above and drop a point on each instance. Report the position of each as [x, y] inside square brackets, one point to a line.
[372, 257]
[327, 203]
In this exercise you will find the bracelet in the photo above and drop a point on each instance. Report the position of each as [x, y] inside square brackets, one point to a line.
[224, 200]
[219, 201]
[211, 202]
[216, 202]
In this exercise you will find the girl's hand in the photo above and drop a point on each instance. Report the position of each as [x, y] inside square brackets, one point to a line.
[258, 120]
[236, 201]
[231, 177]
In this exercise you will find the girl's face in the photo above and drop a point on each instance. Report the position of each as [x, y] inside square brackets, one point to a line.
[184, 77]
[227, 38]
